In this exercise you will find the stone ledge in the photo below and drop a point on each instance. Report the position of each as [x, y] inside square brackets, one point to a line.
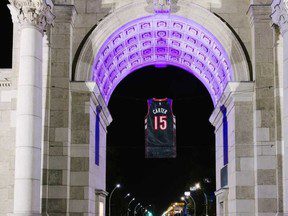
[101, 192]
[222, 194]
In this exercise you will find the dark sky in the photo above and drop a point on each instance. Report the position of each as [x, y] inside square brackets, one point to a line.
[159, 181]
[153, 181]
[6, 29]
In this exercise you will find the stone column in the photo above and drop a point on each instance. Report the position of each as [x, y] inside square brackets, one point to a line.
[280, 17]
[237, 197]
[265, 160]
[88, 177]
[33, 16]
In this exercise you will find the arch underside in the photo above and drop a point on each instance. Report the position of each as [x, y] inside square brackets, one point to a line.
[158, 40]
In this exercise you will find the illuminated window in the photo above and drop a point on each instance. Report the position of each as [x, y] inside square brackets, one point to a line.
[101, 209]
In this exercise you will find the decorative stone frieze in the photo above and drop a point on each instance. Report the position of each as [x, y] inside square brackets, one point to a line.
[280, 14]
[35, 12]
[5, 79]
[5, 83]
[162, 6]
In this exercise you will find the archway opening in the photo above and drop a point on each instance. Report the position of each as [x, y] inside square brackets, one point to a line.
[160, 182]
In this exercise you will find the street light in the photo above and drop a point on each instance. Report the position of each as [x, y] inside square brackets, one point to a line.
[188, 194]
[183, 199]
[185, 206]
[127, 195]
[110, 196]
[147, 206]
[140, 207]
[198, 187]
[149, 213]
[141, 210]
[129, 205]
[136, 208]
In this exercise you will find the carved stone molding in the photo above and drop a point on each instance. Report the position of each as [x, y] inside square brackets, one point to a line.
[5, 83]
[35, 12]
[5, 78]
[163, 6]
[280, 14]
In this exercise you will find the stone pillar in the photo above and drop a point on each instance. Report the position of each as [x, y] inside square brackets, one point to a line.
[88, 176]
[280, 17]
[57, 135]
[237, 197]
[265, 160]
[33, 16]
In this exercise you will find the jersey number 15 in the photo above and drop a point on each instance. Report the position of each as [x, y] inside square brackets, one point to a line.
[160, 122]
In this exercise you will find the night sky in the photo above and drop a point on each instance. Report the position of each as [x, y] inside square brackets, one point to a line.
[6, 29]
[152, 181]
[159, 181]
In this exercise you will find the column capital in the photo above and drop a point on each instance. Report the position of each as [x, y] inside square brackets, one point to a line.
[32, 12]
[280, 14]
[259, 13]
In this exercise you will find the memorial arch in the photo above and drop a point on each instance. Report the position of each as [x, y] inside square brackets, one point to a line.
[198, 42]
[62, 79]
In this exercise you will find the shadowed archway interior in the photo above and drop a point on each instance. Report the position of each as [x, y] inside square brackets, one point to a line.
[159, 181]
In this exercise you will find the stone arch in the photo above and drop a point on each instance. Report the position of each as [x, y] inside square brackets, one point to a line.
[192, 38]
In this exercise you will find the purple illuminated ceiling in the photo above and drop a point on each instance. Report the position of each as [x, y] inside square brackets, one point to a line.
[158, 40]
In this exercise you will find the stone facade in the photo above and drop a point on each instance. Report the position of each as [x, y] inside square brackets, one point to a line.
[53, 166]
[7, 137]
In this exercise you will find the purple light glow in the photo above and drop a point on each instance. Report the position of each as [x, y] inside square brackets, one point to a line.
[162, 40]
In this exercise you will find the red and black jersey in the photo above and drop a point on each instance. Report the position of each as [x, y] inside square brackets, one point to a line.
[160, 128]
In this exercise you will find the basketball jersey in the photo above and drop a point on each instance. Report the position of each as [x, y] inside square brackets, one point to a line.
[160, 129]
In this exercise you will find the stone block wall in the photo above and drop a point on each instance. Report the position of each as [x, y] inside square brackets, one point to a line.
[80, 156]
[57, 125]
[278, 70]
[243, 186]
[70, 176]
[8, 102]
[88, 180]
[238, 196]
[7, 140]
[267, 170]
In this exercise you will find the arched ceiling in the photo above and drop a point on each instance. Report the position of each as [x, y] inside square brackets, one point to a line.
[162, 39]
